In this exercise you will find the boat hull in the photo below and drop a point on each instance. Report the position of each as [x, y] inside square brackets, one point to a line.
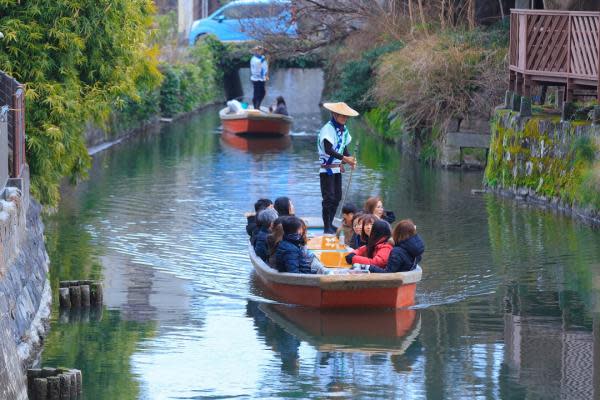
[258, 123]
[338, 291]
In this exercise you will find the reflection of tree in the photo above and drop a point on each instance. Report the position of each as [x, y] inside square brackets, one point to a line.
[102, 351]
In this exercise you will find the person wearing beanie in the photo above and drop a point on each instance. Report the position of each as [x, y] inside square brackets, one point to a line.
[265, 220]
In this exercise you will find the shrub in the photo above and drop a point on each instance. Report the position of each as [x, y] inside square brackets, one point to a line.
[435, 79]
[79, 61]
[189, 84]
[357, 77]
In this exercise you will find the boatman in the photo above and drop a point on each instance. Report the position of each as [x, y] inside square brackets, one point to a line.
[259, 74]
[332, 145]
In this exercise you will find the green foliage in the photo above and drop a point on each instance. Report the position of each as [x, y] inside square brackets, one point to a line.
[588, 192]
[170, 92]
[357, 77]
[78, 60]
[384, 124]
[190, 84]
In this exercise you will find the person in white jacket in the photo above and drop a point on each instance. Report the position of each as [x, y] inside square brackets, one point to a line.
[259, 74]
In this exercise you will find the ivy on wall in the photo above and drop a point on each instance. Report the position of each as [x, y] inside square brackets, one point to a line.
[554, 159]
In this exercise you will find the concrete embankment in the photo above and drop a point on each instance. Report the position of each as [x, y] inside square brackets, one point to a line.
[25, 294]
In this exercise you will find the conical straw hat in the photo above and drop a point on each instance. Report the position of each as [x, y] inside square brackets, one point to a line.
[341, 108]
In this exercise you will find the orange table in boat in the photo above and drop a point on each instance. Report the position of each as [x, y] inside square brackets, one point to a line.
[326, 243]
[332, 259]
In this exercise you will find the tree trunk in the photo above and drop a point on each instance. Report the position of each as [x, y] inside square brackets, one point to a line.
[410, 15]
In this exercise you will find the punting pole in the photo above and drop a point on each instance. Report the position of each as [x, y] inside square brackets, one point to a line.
[338, 216]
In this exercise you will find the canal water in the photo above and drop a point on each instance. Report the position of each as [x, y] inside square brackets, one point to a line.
[507, 309]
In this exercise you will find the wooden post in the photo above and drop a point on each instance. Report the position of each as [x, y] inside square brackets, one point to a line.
[53, 388]
[96, 294]
[64, 297]
[40, 388]
[32, 374]
[85, 295]
[75, 296]
[65, 386]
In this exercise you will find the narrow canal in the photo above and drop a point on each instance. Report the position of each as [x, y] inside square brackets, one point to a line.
[506, 308]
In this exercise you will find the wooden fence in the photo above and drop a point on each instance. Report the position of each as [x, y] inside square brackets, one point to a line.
[555, 48]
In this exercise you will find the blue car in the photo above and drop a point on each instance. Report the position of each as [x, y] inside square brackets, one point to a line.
[244, 20]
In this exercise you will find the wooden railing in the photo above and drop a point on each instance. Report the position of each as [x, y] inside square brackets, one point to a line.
[554, 47]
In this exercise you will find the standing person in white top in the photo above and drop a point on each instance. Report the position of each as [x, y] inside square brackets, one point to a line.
[259, 74]
[332, 145]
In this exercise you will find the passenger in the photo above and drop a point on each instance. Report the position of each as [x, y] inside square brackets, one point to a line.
[408, 249]
[274, 238]
[260, 205]
[367, 224]
[378, 249]
[280, 106]
[348, 211]
[355, 241]
[291, 254]
[265, 222]
[284, 206]
[374, 206]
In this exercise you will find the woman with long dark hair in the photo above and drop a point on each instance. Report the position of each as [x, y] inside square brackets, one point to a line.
[284, 207]
[377, 251]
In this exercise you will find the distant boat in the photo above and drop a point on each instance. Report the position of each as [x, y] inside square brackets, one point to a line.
[255, 122]
[394, 290]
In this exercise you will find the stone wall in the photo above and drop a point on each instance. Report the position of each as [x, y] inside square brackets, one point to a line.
[24, 287]
[544, 160]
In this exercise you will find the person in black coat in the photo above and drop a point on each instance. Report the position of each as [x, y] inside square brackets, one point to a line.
[291, 254]
[284, 206]
[265, 222]
[251, 225]
[407, 252]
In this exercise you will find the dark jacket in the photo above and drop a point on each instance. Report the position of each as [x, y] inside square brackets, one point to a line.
[389, 217]
[291, 256]
[261, 246]
[251, 224]
[404, 256]
[355, 242]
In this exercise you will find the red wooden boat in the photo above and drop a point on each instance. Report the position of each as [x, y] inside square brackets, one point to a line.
[255, 122]
[338, 290]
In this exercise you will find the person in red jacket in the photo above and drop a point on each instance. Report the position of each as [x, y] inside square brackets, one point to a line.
[377, 251]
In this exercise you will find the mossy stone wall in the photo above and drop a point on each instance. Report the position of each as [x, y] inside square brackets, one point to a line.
[543, 159]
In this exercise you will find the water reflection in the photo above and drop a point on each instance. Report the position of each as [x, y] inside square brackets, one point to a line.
[507, 308]
[256, 144]
[365, 331]
[101, 348]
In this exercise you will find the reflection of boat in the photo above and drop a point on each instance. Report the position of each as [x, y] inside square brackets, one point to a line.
[256, 144]
[254, 121]
[342, 290]
[347, 330]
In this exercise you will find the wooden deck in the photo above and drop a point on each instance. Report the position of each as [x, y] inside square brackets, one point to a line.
[555, 48]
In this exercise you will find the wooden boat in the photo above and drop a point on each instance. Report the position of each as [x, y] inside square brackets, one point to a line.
[367, 331]
[338, 290]
[255, 122]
